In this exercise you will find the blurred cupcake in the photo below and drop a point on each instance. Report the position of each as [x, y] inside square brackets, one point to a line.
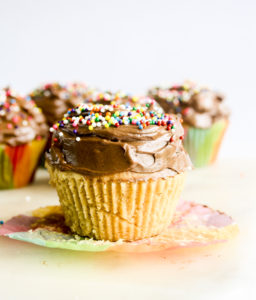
[23, 135]
[106, 98]
[118, 170]
[205, 118]
[55, 99]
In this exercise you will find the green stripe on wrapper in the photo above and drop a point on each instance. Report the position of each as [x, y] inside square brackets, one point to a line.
[51, 239]
[203, 145]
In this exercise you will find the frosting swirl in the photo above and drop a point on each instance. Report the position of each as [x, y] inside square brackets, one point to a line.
[21, 121]
[199, 106]
[108, 139]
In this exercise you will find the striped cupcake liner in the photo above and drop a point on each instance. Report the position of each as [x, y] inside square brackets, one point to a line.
[18, 164]
[203, 145]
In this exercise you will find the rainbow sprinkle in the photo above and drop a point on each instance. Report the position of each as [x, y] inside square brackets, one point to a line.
[95, 96]
[177, 95]
[120, 97]
[22, 109]
[95, 116]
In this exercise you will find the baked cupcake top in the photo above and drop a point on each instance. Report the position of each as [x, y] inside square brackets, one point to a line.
[21, 121]
[107, 98]
[55, 99]
[199, 106]
[108, 139]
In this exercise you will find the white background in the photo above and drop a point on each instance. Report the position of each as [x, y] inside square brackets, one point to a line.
[132, 45]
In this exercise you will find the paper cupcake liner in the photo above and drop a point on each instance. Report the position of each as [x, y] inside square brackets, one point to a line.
[193, 225]
[107, 209]
[203, 145]
[18, 164]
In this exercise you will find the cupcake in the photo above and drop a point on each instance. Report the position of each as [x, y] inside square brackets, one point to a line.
[55, 99]
[106, 98]
[23, 134]
[205, 118]
[118, 170]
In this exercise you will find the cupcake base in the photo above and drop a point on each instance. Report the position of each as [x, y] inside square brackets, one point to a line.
[106, 208]
[203, 145]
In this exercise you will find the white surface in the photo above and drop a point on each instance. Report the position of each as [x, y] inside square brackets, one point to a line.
[224, 271]
[133, 45]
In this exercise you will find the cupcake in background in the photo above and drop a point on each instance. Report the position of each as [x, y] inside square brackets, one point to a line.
[118, 170]
[205, 118]
[23, 135]
[55, 99]
[107, 97]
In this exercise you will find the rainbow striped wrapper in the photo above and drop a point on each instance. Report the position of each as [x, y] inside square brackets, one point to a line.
[18, 164]
[203, 145]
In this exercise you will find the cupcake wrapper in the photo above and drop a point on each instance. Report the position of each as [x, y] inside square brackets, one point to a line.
[203, 145]
[193, 225]
[17, 164]
[111, 210]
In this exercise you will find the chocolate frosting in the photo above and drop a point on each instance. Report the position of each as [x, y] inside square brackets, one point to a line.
[21, 121]
[116, 149]
[199, 106]
[55, 99]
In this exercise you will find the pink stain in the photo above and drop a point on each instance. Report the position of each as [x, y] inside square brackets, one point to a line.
[19, 223]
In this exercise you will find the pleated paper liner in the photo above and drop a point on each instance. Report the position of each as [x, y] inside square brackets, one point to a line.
[18, 164]
[203, 145]
[104, 208]
[193, 225]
